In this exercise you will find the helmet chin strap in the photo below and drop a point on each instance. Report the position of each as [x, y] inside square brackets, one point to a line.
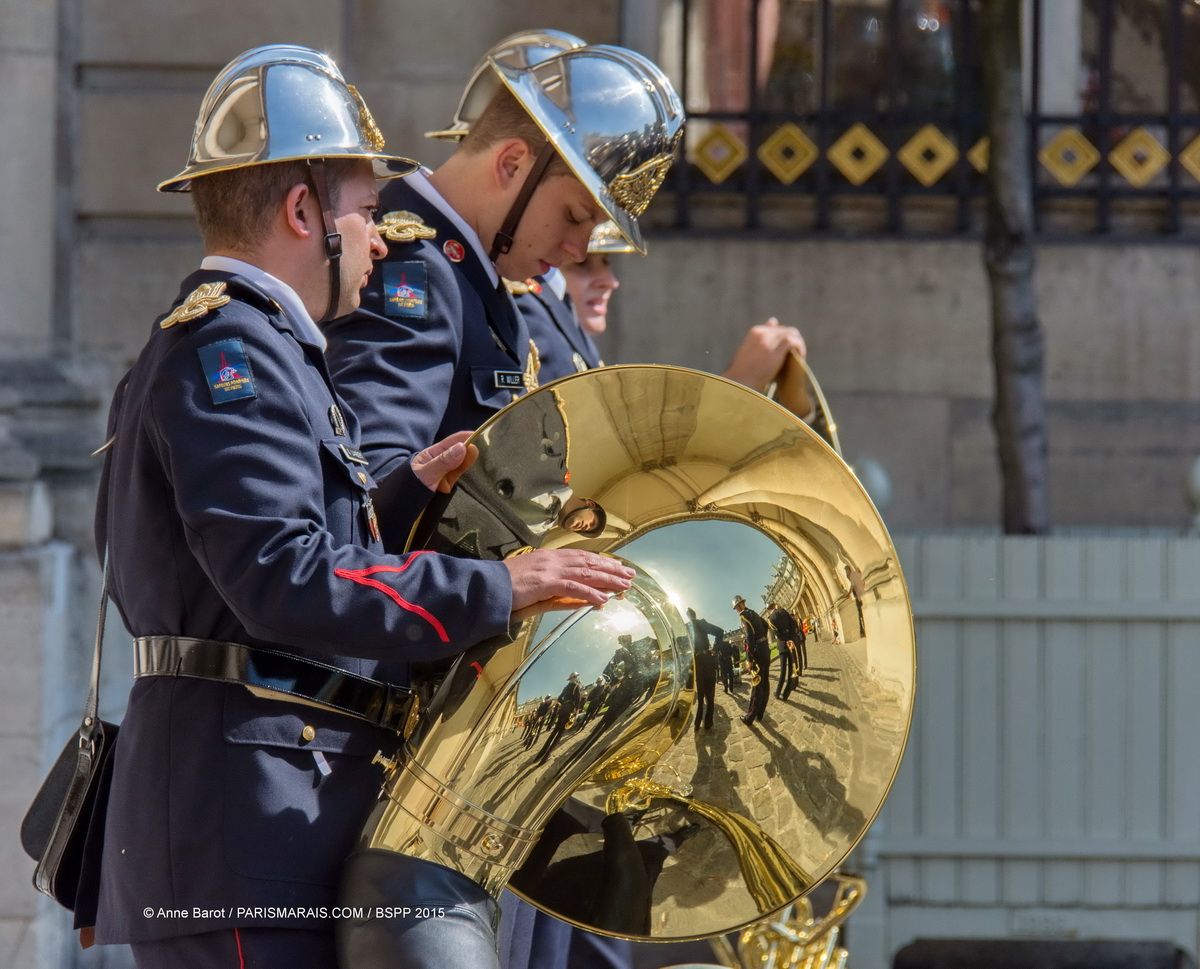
[333, 238]
[504, 238]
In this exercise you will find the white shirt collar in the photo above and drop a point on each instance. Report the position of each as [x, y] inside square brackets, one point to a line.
[421, 184]
[277, 289]
[556, 281]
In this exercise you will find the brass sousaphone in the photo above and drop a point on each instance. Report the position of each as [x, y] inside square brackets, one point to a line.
[630, 821]
[796, 388]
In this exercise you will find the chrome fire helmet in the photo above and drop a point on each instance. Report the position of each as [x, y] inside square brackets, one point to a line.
[612, 116]
[282, 103]
[606, 238]
[519, 50]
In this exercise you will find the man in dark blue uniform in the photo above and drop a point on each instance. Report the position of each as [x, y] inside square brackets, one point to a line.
[237, 520]
[707, 663]
[783, 626]
[438, 345]
[758, 651]
[541, 300]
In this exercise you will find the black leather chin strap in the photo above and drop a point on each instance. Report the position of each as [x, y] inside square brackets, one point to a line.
[333, 238]
[504, 238]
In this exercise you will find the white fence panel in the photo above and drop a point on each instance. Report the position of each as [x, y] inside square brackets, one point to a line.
[1052, 779]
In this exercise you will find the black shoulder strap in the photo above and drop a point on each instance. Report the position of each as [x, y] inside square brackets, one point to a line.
[92, 705]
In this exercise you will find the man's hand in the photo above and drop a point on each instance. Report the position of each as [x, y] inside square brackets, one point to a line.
[762, 353]
[547, 579]
[443, 463]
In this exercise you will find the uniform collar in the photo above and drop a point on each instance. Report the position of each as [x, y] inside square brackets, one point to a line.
[556, 281]
[562, 313]
[420, 183]
[306, 330]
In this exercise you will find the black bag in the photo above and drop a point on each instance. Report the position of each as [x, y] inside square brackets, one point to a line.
[72, 800]
[56, 826]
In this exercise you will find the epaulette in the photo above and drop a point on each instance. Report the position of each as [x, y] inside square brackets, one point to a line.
[199, 302]
[405, 227]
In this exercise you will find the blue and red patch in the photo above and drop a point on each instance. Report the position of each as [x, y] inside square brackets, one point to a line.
[405, 289]
[227, 371]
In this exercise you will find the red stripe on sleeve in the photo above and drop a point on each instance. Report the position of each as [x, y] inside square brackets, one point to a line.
[362, 577]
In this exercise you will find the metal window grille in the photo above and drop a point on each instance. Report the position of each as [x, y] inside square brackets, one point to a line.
[904, 153]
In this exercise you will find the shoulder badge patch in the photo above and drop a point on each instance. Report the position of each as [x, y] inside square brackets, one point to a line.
[200, 301]
[227, 371]
[405, 227]
[405, 289]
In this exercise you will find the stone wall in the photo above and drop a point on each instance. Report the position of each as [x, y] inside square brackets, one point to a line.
[28, 77]
[898, 335]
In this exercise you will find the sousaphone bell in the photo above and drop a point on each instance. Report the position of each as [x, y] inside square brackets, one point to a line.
[617, 815]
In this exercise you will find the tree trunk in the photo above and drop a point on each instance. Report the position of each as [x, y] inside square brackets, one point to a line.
[1019, 415]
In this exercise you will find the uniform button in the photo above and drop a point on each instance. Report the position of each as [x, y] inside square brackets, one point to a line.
[308, 733]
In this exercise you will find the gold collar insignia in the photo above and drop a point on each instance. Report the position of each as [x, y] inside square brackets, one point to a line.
[532, 366]
[405, 227]
[200, 301]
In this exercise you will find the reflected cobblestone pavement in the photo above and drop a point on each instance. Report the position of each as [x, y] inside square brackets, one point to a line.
[802, 775]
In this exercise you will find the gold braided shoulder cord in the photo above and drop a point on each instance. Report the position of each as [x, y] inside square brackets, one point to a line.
[405, 227]
[200, 301]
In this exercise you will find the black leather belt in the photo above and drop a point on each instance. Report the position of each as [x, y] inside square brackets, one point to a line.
[376, 702]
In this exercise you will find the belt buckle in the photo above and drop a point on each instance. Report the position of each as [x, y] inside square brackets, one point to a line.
[414, 715]
[403, 710]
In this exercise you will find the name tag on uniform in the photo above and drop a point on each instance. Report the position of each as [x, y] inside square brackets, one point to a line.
[227, 371]
[353, 454]
[509, 380]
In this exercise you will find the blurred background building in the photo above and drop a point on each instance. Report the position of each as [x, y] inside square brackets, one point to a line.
[831, 176]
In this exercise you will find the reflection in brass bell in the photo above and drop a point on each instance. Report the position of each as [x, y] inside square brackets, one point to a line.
[708, 489]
